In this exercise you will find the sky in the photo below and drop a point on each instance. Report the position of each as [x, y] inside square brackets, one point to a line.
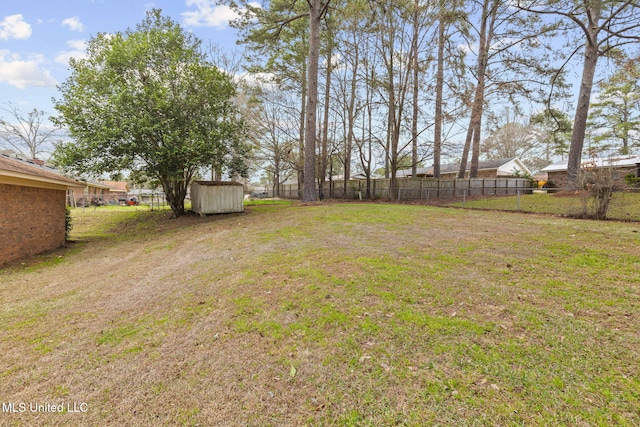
[37, 38]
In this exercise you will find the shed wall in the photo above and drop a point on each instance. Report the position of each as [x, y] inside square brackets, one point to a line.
[32, 220]
[214, 199]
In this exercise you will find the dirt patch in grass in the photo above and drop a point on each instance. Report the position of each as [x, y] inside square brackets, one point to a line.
[328, 314]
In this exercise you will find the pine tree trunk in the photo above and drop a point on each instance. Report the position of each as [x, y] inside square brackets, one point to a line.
[303, 116]
[416, 88]
[437, 131]
[309, 189]
[351, 118]
[475, 122]
[582, 113]
[322, 175]
[276, 177]
[584, 96]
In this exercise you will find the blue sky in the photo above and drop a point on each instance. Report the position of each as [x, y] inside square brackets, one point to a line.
[37, 38]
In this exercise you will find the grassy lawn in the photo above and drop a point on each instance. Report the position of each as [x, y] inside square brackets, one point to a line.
[623, 206]
[327, 314]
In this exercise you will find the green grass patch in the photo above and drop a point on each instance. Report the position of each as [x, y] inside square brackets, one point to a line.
[623, 206]
[107, 221]
[335, 314]
[268, 202]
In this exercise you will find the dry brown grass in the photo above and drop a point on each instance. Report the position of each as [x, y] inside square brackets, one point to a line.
[389, 315]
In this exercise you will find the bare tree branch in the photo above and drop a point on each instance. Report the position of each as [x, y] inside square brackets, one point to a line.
[27, 133]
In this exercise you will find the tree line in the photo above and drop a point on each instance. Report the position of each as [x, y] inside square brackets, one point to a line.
[401, 82]
[344, 84]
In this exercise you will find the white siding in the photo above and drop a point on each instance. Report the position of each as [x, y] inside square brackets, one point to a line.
[510, 168]
[214, 199]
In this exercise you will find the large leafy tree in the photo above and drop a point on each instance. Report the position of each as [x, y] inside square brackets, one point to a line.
[147, 100]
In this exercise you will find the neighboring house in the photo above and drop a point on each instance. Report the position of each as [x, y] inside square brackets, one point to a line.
[620, 166]
[147, 196]
[486, 169]
[352, 177]
[32, 208]
[118, 192]
[93, 194]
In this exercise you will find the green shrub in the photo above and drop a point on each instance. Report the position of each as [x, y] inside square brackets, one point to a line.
[632, 180]
[67, 222]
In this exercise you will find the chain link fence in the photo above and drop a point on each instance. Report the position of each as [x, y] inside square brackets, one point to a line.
[619, 202]
[155, 201]
[621, 205]
[423, 189]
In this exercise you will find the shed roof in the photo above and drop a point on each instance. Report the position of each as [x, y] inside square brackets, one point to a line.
[217, 183]
[31, 171]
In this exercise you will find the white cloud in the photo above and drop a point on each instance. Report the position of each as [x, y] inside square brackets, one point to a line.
[77, 44]
[210, 14]
[73, 23]
[14, 27]
[23, 73]
[78, 51]
[266, 80]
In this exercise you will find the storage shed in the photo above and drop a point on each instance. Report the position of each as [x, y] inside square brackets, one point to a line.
[214, 197]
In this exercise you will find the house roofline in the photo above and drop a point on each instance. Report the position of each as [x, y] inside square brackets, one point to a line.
[32, 173]
[20, 178]
[603, 163]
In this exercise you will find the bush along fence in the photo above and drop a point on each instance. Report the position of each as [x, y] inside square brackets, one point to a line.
[415, 188]
[621, 204]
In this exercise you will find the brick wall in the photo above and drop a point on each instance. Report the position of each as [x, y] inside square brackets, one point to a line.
[31, 221]
[559, 178]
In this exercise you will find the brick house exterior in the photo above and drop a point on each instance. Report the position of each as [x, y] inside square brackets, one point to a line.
[486, 169]
[619, 166]
[118, 191]
[32, 208]
[93, 193]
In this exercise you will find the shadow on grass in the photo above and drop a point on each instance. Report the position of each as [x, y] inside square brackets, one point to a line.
[118, 225]
[129, 223]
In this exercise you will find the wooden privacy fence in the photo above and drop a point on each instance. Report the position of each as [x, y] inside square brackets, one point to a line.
[417, 188]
